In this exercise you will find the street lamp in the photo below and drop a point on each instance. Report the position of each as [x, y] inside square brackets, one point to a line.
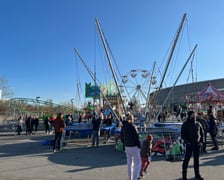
[38, 97]
[38, 105]
[72, 107]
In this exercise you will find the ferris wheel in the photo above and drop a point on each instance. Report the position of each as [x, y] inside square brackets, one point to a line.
[135, 87]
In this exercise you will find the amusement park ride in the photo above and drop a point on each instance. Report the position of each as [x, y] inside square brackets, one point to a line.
[134, 89]
[28, 106]
[134, 94]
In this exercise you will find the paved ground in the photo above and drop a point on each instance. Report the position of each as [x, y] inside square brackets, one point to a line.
[25, 158]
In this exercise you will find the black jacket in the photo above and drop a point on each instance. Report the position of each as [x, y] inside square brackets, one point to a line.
[146, 149]
[129, 135]
[96, 123]
[213, 127]
[204, 124]
[192, 132]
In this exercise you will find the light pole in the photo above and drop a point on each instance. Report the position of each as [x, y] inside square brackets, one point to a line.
[72, 107]
[38, 105]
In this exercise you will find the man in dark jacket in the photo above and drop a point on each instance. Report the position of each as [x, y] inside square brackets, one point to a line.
[130, 139]
[192, 134]
[96, 122]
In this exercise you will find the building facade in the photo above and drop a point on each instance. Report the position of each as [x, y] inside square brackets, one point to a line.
[179, 93]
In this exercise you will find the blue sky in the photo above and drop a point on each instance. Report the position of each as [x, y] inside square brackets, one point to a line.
[37, 38]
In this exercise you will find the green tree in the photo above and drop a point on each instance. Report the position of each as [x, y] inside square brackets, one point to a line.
[6, 91]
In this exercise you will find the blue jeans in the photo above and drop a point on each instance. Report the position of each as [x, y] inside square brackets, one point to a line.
[57, 141]
[95, 137]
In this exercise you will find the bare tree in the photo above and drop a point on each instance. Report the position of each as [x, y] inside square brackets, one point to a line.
[6, 91]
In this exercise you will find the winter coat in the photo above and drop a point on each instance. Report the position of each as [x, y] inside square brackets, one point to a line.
[146, 149]
[213, 127]
[192, 132]
[129, 135]
[204, 124]
[59, 125]
[96, 122]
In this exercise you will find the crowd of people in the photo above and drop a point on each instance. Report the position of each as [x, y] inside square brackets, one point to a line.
[31, 124]
[194, 132]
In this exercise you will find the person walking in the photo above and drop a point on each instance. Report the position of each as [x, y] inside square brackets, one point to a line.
[193, 137]
[59, 126]
[47, 124]
[19, 128]
[96, 122]
[145, 152]
[205, 129]
[130, 139]
[28, 123]
[80, 117]
[35, 124]
[213, 130]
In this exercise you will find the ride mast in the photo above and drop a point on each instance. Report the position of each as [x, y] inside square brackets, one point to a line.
[110, 64]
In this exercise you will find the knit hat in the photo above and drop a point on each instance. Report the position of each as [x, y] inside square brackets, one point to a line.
[150, 137]
[190, 113]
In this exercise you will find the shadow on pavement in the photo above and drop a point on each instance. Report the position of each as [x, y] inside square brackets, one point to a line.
[213, 158]
[82, 158]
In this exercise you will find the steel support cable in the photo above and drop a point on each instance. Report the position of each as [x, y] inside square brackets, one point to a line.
[77, 81]
[176, 54]
[110, 64]
[172, 49]
[188, 36]
[171, 52]
[114, 61]
[97, 81]
[143, 94]
[170, 91]
[104, 69]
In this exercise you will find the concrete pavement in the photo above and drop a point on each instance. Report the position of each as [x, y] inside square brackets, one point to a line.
[25, 158]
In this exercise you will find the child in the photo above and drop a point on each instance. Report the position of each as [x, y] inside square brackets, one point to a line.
[146, 154]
